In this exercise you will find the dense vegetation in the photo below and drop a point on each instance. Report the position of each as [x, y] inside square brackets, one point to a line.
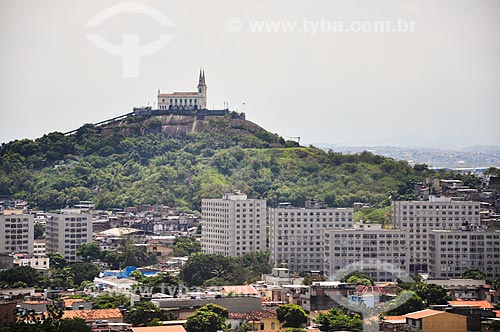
[217, 270]
[117, 169]
[50, 321]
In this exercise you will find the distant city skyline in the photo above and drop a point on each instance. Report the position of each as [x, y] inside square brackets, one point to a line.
[441, 79]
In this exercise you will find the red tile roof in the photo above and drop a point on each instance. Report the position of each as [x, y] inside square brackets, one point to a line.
[481, 304]
[392, 318]
[423, 313]
[69, 302]
[95, 314]
[361, 289]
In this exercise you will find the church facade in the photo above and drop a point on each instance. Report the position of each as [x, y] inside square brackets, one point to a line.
[189, 101]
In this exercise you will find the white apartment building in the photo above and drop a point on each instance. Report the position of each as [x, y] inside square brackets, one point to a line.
[39, 248]
[67, 231]
[453, 251]
[296, 235]
[233, 226]
[16, 232]
[419, 217]
[381, 253]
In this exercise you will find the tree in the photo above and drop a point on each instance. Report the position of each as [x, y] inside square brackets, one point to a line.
[74, 325]
[361, 277]
[113, 259]
[200, 268]
[186, 246]
[495, 284]
[494, 326]
[336, 320]
[84, 272]
[57, 261]
[39, 231]
[20, 274]
[414, 303]
[165, 283]
[110, 301]
[494, 171]
[431, 293]
[291, 315]
[136, 274]
[209, 318]
[359, 281]
[51, 321]
[142, 313]
[473, 273]
[89, 252]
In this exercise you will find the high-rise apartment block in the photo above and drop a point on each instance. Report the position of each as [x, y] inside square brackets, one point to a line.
[382, 253]
[440, 237]
[233, 226]
[16, 232]
[451, 252]
[67, 231]
[419, 217]
[296, 235]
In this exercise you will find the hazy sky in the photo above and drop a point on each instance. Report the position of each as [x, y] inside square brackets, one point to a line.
[442, 79]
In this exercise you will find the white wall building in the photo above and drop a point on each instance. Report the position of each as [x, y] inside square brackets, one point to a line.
[39, 263]
[67, 231]
[39, 248]
[185, 100]
[296, 235]
[451, 252]
[419, 217]
[233, 226]
[367, 244]
[16, 232]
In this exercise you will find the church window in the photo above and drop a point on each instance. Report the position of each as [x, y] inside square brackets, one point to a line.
[176, 101]
[190, 101]
[195, 101]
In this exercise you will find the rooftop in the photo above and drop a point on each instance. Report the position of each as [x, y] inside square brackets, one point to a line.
[13, 212]
[119, 231]
[94, 314]
[423, 313]
[395, 319]
[253, 315]
[245, 290]
[480, 304]
[170, 328]
[193, 93]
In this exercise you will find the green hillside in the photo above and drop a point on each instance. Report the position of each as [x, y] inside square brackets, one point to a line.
[139, 162]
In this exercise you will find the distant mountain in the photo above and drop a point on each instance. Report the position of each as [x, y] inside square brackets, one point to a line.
[446, 142]
[177, 160]
[476, 156]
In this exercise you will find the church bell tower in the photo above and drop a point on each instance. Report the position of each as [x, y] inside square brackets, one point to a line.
[202, 88]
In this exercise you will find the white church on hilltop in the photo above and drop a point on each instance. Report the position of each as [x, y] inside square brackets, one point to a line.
[188, 101]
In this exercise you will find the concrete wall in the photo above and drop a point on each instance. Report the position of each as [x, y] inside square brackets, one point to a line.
[444, 323]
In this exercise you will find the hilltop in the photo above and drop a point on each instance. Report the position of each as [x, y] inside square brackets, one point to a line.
[177, 160]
